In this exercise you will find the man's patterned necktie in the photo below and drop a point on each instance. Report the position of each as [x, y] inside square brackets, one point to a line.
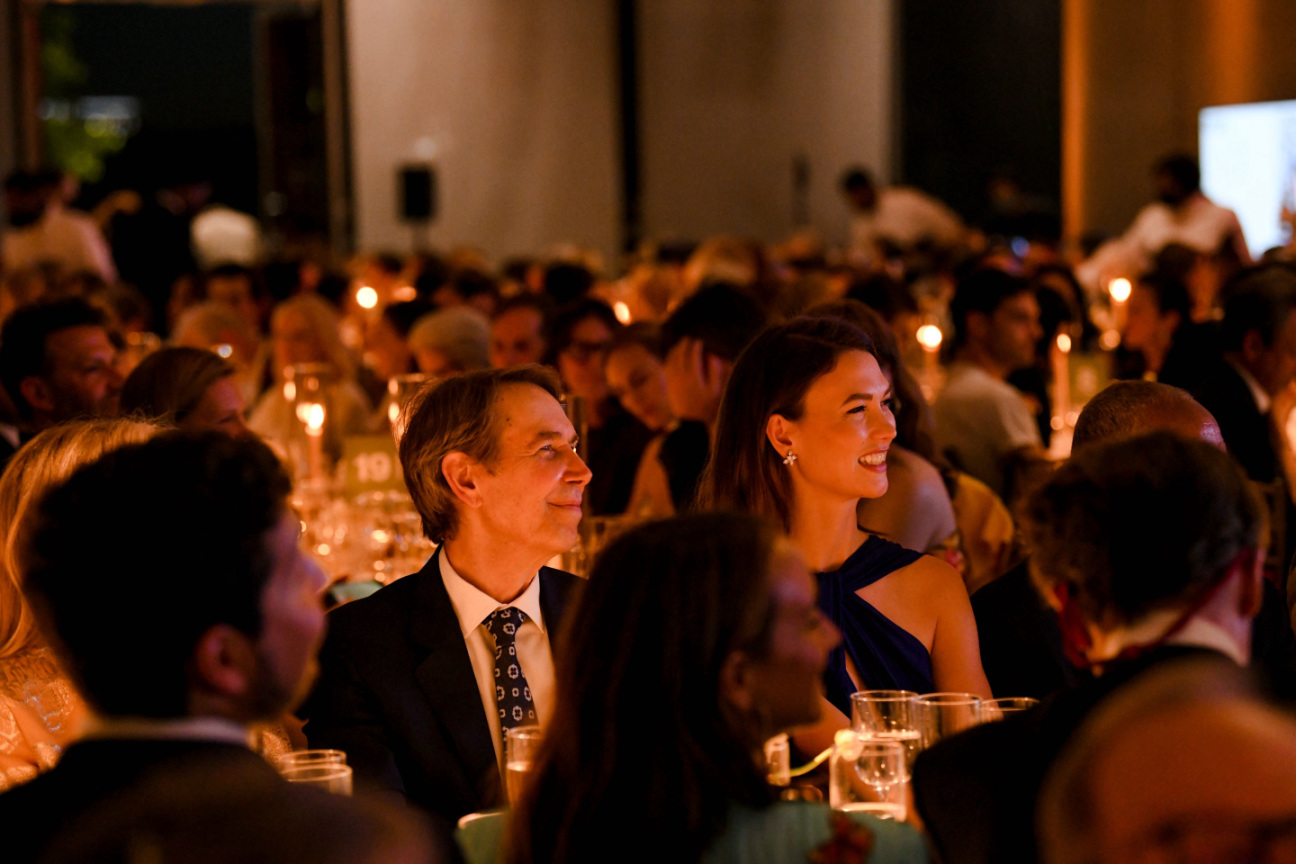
[512, 694]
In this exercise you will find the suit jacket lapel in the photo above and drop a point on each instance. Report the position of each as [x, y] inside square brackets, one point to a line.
[446, 679]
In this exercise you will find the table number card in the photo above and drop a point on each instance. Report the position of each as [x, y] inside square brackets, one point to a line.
[372, 465]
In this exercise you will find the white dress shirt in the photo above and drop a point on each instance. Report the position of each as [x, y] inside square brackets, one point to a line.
[473, 606]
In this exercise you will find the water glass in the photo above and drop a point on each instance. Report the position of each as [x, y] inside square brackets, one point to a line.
[887, 714]
[329, 776]
[521, 744]
[303, 758]
[942, 714]
[869, 775]
[998, 709]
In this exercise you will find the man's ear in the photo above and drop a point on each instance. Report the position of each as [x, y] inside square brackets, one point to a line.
[224, 660]
[461, 472]
[36, 391]
[778, 433]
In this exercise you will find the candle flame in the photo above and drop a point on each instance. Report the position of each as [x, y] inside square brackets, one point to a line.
[929, 336]
[366, 297]
[312, 414]
[1120, 289]
[1064, 343]
[622, 311]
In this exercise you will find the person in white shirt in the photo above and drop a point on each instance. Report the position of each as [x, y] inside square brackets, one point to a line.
[984, 425]
[897, 216]
[66, 237]
[1181, 215]
[420, 682]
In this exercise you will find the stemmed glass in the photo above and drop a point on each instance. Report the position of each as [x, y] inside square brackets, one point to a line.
[868, 774]
[887, 715]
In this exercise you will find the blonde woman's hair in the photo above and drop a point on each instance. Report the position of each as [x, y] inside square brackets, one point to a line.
[47, 460]
[322, 318]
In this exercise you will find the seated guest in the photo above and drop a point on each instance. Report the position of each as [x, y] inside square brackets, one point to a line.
[407, 683]
[804, 432]
[636, 376]
[387, 350]
[1258, 335]
[39, 710]
[697, 639]
[187, 388]
[450, 342]
[916, 511]
[520, 331]
[1021, 643]
[57, 363]
[1185, 766]
[217, 328]
[1159, 327]
[1151, 549]
[215, 627]
[613, 439]
[983, 424]
[701, 339]
[202, 814]
[304, 329]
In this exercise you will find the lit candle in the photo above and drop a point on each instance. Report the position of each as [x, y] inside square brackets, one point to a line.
[1061, 380]
[312, 413]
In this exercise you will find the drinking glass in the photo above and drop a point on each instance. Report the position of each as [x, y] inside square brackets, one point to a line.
[998, 709]
[778, 760]
[868, 774]
[942, 714]
[889, 715]
[521, 743]
[329, 776]
[303, 758]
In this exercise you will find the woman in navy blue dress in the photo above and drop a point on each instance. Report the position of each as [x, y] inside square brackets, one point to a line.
[803, 434]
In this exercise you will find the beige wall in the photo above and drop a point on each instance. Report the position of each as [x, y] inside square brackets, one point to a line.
[518, 99]
[515, 99]
[1136, 75]
[733, 90]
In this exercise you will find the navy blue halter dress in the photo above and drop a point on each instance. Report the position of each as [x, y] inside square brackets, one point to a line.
[886, 656]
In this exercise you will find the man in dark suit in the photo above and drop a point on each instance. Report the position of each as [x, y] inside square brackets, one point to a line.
[420, 682]
[168, 579]
[1151, 548]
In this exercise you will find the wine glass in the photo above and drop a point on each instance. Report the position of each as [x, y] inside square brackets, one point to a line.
[869, 775]
[889, 715]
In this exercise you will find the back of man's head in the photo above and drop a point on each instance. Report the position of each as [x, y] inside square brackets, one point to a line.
[142, 552]
[722, 316]
[1125, 409]
[1259, 300]
[982, 292]
[23, 341]
[1182, 169]
[1141, 525]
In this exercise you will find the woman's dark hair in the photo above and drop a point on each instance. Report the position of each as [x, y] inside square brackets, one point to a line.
[170, 383]
[645, 334]
[567, 317]
[914, 424]
[770, 377]
[641, 748]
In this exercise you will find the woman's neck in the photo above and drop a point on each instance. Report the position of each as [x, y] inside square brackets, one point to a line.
[824, 530]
